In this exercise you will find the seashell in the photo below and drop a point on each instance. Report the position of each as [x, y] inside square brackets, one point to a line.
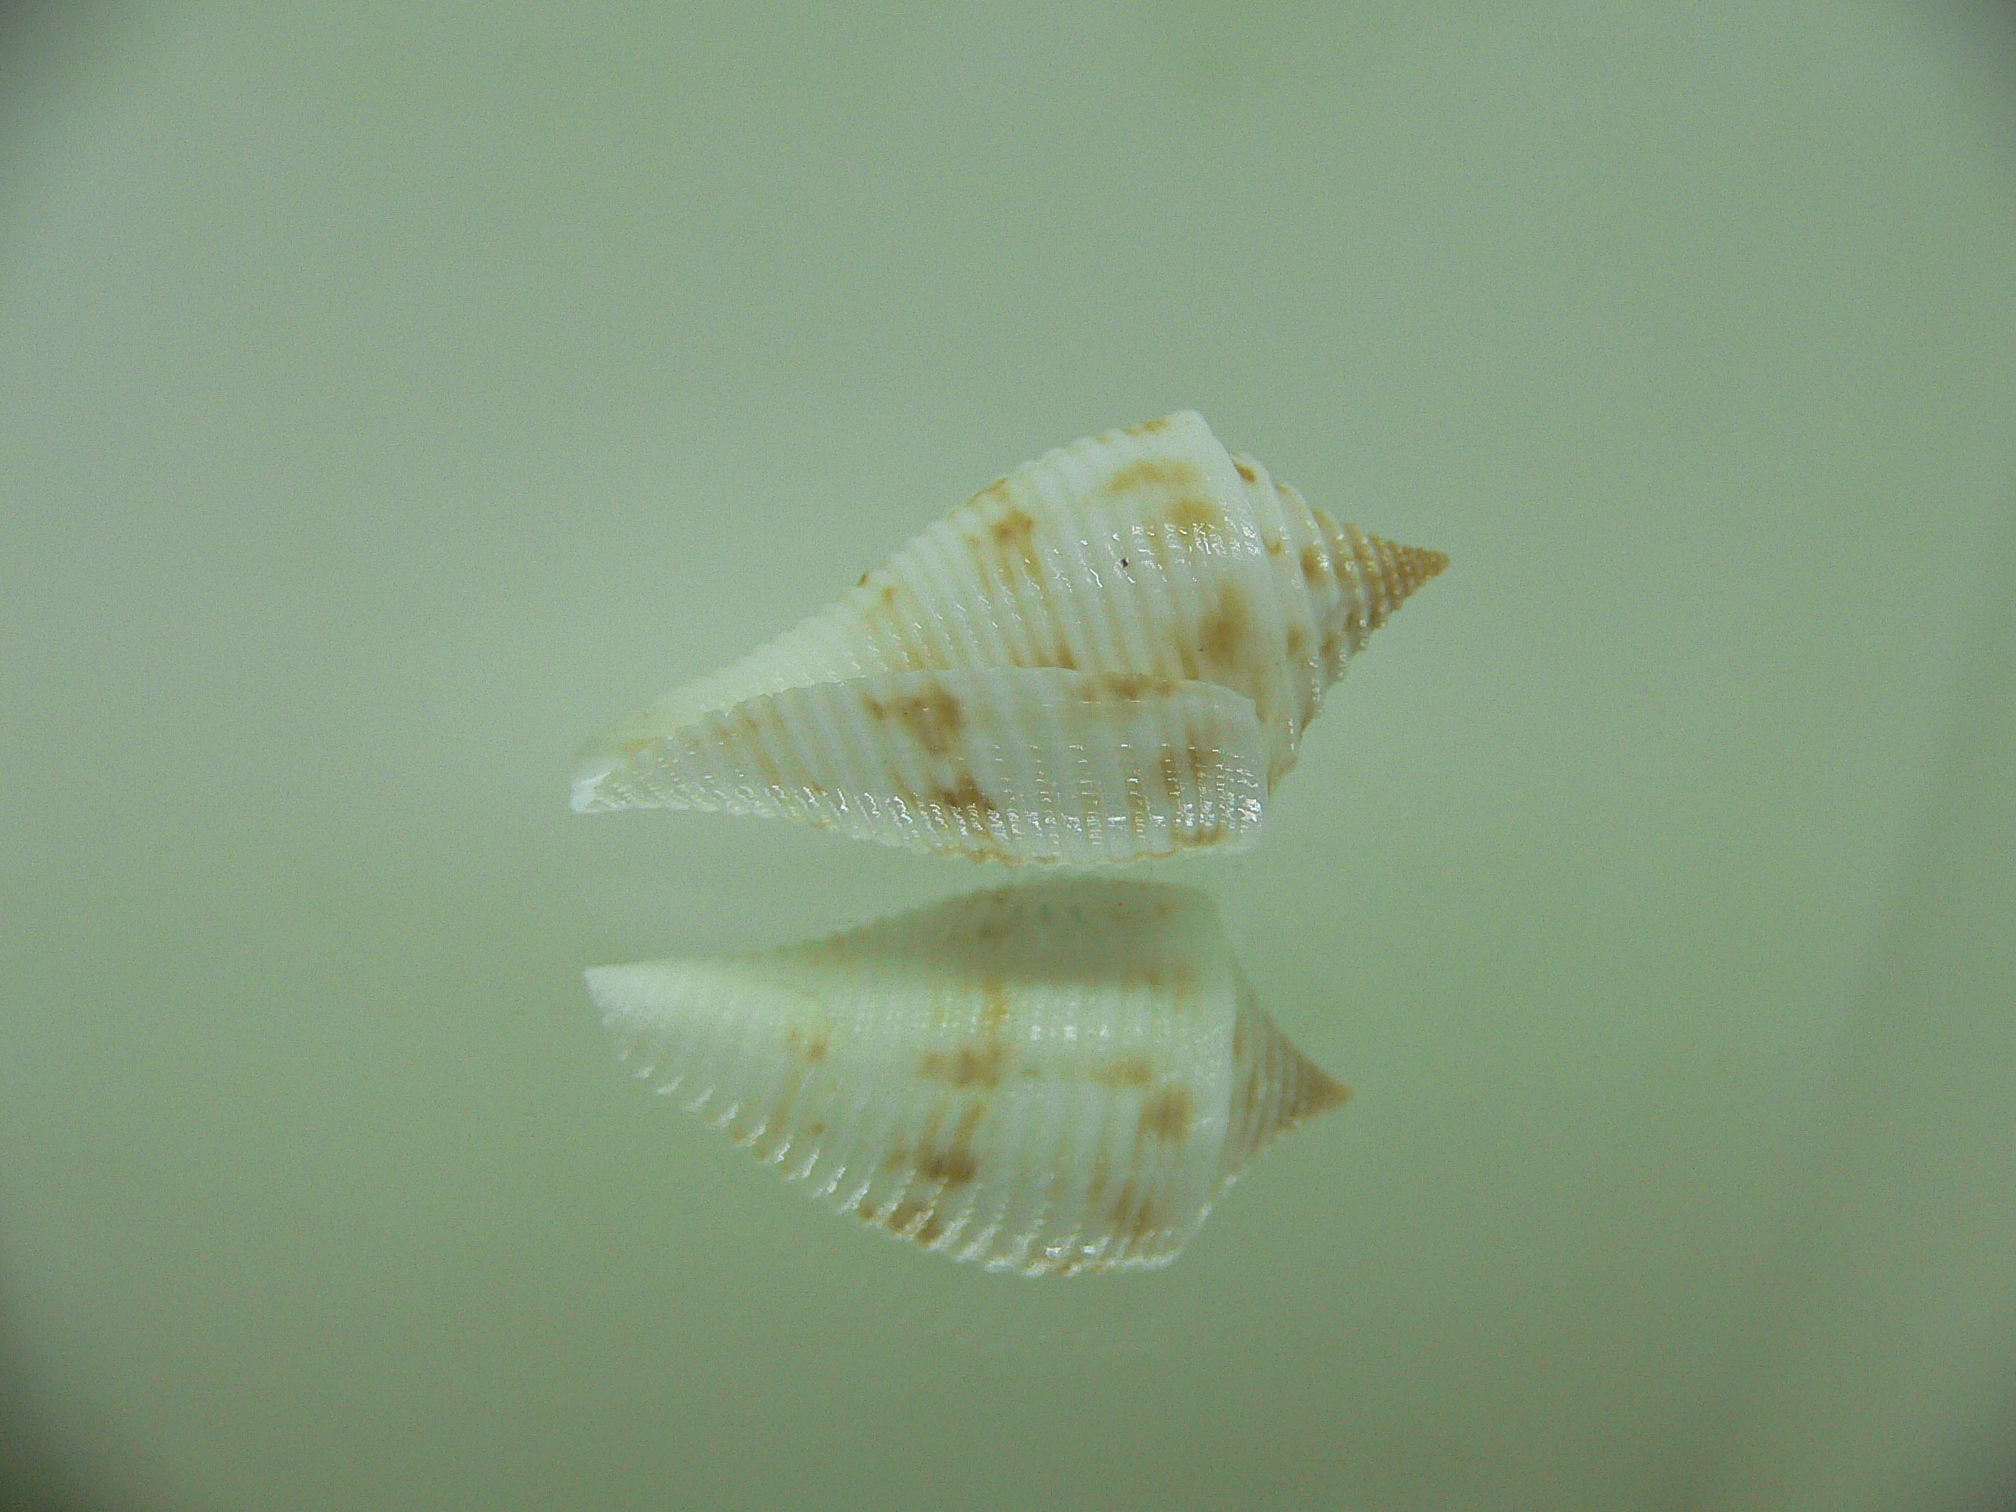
[1109, 654]
[1048, 1079]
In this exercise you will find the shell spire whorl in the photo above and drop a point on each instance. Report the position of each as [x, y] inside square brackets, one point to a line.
[1377, 575]
[1275, 1086]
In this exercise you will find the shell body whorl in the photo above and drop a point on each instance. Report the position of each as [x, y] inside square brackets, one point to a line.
[1108, 654]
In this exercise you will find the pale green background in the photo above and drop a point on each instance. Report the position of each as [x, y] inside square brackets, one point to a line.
[390, 399]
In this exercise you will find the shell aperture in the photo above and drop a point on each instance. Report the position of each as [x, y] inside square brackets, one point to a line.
[1049, 1079]
[1109, 654]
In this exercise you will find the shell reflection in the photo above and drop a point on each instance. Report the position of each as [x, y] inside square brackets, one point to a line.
[1109, 654]
[1047, 1079]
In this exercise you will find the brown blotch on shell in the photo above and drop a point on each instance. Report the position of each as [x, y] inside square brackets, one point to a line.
[966, 802]
[1245, 471]
[750, 732]
[910, 1218]
[1147, 428]
[1125, 1071]
[1129, 687]
[1223, 636]
[1134, 1216]
[1194, 518]
[953, 1164]
[932, 718]
[1147, 1222]
[976, 1065]
[1012, 540]
[1166, 1115]
[994, 1006]
[1314, 568]
[1176, 477]
[1123, 1202]
[983, 1060]
[812, 1046]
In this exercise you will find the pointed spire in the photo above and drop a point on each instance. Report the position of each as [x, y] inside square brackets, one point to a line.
[1406, 568]
[1275, 1087]
[1384, 572]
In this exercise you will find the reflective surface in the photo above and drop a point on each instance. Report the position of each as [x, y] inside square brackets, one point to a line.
[384, 404]
[1057, 1078]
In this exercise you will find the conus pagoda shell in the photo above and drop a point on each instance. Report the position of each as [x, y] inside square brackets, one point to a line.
[1109, 654]
[1048, 1079]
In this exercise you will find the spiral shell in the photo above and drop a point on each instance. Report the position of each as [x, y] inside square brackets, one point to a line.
[1109, 654]
[1047, 1079]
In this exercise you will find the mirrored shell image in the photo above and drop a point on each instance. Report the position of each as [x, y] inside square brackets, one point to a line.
[1048, 1079]
[1108, 655]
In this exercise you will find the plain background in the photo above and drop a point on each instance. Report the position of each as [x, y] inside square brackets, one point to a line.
[390, 397]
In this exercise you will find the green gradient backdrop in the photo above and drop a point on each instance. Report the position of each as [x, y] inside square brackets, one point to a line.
[388, 401]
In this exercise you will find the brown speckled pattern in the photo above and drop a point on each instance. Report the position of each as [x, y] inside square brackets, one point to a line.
[1050, 1079]
[1109, 654]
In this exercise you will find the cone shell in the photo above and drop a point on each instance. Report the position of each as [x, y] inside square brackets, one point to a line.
[1109, 654]
[1046, 1079]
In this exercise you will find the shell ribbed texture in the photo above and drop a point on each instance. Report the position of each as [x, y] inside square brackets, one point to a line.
[1044, 1079]
[1038, 765]
[1274, 1087]
[1108, 654]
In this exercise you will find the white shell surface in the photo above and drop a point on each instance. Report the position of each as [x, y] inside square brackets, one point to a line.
[1109, 654]
[1046, 1079]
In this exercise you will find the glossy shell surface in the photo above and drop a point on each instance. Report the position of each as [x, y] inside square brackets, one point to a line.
[1047, 1079]
[1107, 655]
